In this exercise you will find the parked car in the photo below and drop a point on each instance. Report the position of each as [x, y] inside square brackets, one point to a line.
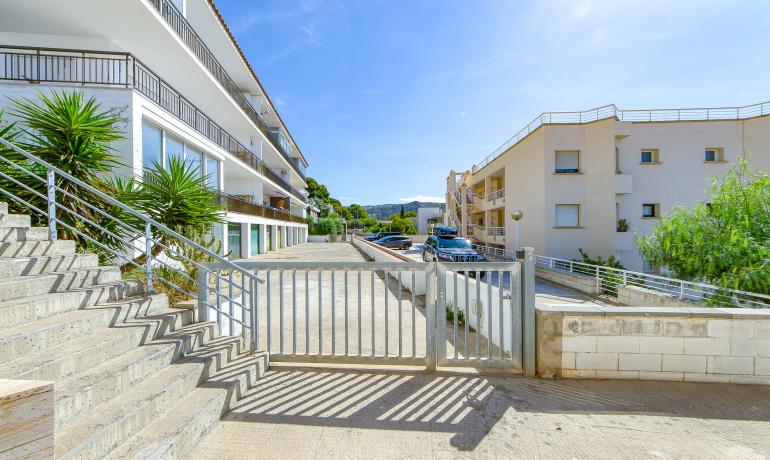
[380, 235]
[395, 241]
[450, 248]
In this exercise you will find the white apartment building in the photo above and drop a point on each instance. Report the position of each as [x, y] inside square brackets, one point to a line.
[173, 71]
[577, 176]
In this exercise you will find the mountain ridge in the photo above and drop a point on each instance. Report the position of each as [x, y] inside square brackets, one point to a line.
[383, 211]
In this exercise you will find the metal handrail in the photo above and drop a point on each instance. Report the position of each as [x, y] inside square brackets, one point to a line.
[495, 231]
[237, 204]
[240, 282]
[499, 193]
[174, 18]
[611, 111]
[608, 280]
[126, 70]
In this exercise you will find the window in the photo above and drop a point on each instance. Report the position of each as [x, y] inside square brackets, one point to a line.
[649, 156]
[174, 148]
[567, 162]
[193, 157]
[234, 240]
[650, 210]
[714, 155]
[152, 146]
[567, 215]
[212, 173]
[254, 239]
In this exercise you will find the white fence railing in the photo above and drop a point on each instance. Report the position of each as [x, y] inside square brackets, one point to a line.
[492, 196]
[497, 253]
[495, 231]
[609, 279]
[610, 111]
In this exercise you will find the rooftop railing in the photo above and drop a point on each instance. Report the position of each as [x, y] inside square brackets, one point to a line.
[177, 21]
[611, 111]
[98, 68]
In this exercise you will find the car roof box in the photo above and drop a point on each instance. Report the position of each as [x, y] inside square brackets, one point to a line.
[444, 230]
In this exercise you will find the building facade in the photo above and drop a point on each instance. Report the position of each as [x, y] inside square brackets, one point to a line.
[172, 71]
[592, 180]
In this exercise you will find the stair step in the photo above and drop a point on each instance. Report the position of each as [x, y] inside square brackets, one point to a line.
[30, 337]
[176, 433]
[80, 393]
[36, 248]
[15, 220]
[114, 422]
[8, 234]
[25, 266]
[24, 286]
[19, 311]
[83, 353]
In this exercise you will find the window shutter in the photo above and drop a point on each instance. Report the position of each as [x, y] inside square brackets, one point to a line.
[566, 161]
[567, 215]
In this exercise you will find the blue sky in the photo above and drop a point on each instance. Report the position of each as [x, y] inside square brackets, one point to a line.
[385, 97]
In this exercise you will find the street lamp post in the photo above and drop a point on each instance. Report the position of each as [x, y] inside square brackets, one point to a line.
[516, 215]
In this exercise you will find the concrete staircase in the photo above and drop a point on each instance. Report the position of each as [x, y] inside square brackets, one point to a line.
[133, 377]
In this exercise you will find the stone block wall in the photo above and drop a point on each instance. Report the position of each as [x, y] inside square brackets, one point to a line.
[654, 343]
[577, 281]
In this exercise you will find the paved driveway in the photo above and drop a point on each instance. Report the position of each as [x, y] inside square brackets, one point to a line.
[305, 413]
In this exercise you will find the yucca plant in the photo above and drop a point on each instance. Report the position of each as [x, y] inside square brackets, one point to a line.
[72, 133]
[176, 197]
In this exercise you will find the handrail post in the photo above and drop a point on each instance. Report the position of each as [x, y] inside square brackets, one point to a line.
[203, 286]
[51, 189]
[148, 258]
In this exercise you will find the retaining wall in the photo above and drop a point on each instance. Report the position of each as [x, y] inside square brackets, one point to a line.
[577, 281]
[654, 343]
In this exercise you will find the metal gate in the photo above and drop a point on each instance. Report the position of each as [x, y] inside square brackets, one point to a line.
[405, 313]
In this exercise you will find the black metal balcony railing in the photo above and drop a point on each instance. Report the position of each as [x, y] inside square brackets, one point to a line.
[240, 205]
[177, 21]
[123, 69]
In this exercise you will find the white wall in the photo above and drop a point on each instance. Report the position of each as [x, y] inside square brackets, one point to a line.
[423, 214]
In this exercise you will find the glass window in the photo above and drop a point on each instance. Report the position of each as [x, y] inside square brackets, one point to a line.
[234, 240]
[715, 154]
[217, 232]
[212, 173]
[567, 215]
[460, 243]
[646, 156]
[567, 162]
[649, 210]
[254, 239]
[151, 145]
[174, 148]
[193, 157]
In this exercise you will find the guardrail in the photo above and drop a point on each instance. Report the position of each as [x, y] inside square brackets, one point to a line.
[495, 231]
[499, 253]
[610, 111]
[99, 68]
[169, 12]
[240, 205]
[164, 250]
[500, 193]
[609, 279]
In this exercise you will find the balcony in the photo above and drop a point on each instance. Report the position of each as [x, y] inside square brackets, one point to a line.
[495, 231]
[185, 31]
[242, 205]
[97, 68]
[496, 195]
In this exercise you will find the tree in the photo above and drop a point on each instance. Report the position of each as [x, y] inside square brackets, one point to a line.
[358, 211]
[725, 242]
[316, 190]
[402, 211]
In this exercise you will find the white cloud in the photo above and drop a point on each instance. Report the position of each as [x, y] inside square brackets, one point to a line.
[581, 9]
[432, 199]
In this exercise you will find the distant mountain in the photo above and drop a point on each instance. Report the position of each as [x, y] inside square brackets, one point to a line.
[383, 211]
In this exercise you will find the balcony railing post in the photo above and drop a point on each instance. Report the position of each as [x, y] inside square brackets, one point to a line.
[148, 259]
[51, 189]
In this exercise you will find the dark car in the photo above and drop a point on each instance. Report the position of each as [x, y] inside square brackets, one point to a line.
[450, 248]
[380, 235]
[395, 241]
